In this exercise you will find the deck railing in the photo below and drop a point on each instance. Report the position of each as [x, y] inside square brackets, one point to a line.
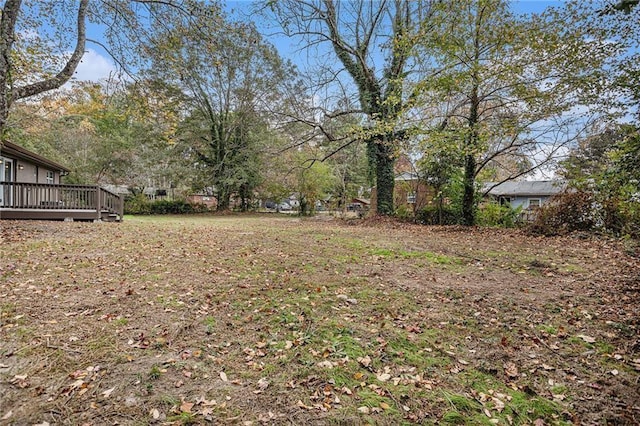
[44, 196]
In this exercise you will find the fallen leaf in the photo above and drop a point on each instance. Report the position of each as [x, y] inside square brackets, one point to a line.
[510, 369]
[302, 405]
[155, 414]
[586, 338]
[383, 377]
[223, 376]
[364, 410]
[498, 404]
[365, 361]
[186, 407]
[108, 392]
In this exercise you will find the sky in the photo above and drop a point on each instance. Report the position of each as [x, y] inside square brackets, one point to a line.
[97, 65]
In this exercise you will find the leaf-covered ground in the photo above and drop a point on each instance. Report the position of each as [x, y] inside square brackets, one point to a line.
[252, 320]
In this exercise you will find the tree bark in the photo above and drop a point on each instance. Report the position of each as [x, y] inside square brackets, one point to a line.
[471, 144]
[224, 200]
[376, 100]
[9, 93]
[7, 38]
[468, 197]
[472, 138]
[385, 177]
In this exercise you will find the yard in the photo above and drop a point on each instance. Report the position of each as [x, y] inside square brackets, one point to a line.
[251, 320]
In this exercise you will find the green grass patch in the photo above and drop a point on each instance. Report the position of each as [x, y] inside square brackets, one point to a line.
[431, 257]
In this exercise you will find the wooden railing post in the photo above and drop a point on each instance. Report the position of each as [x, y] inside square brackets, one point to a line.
[98, 203]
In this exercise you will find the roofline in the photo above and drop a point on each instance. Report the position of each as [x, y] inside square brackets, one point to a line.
[524, 194]
[10, 148]
[559, 186]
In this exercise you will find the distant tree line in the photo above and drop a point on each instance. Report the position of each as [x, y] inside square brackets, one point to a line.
[468, 91]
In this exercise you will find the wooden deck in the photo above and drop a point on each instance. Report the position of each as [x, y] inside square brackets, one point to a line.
[21, 200]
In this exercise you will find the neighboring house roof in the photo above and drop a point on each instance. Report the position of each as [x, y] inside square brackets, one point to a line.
[361, 201]
[117, 189]
[9, 148]
[126, 190]
[524, 188]
[407, 176]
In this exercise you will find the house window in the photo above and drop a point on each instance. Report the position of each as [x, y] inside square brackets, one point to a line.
[50, 176]
[411, 198]
[534, 203]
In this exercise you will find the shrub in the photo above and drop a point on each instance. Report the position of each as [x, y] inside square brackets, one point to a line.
[494, 214]
[565, 213]
[170, 207]
[622, 218]
[403, 212]
[631, 212]
[140, 205]
[433, 216]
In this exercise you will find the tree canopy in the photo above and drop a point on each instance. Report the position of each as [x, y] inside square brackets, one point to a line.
[467, 91]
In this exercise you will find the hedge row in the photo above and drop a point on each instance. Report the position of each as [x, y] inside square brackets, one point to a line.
[143, 206]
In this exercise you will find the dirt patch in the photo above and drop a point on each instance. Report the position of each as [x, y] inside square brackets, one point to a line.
[278, 320]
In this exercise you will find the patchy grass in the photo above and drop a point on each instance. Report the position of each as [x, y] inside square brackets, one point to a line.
[193, 320]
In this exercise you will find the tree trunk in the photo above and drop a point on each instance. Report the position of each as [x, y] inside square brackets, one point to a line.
[9, 93]
[224, 200]
[303, 207]
[7, 37]
[385, 177]
[244, 197]
[468, 198]
[471, 145]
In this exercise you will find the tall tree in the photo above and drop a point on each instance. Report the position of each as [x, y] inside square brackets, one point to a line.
[372, 44]
[40, 51]
[605, 166]
[13, 85]
[232, 79]
[515, 90]
[621, 22]
[120, 135]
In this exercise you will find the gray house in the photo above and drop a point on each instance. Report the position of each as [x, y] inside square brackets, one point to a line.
[30, 188]
[525, 194]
